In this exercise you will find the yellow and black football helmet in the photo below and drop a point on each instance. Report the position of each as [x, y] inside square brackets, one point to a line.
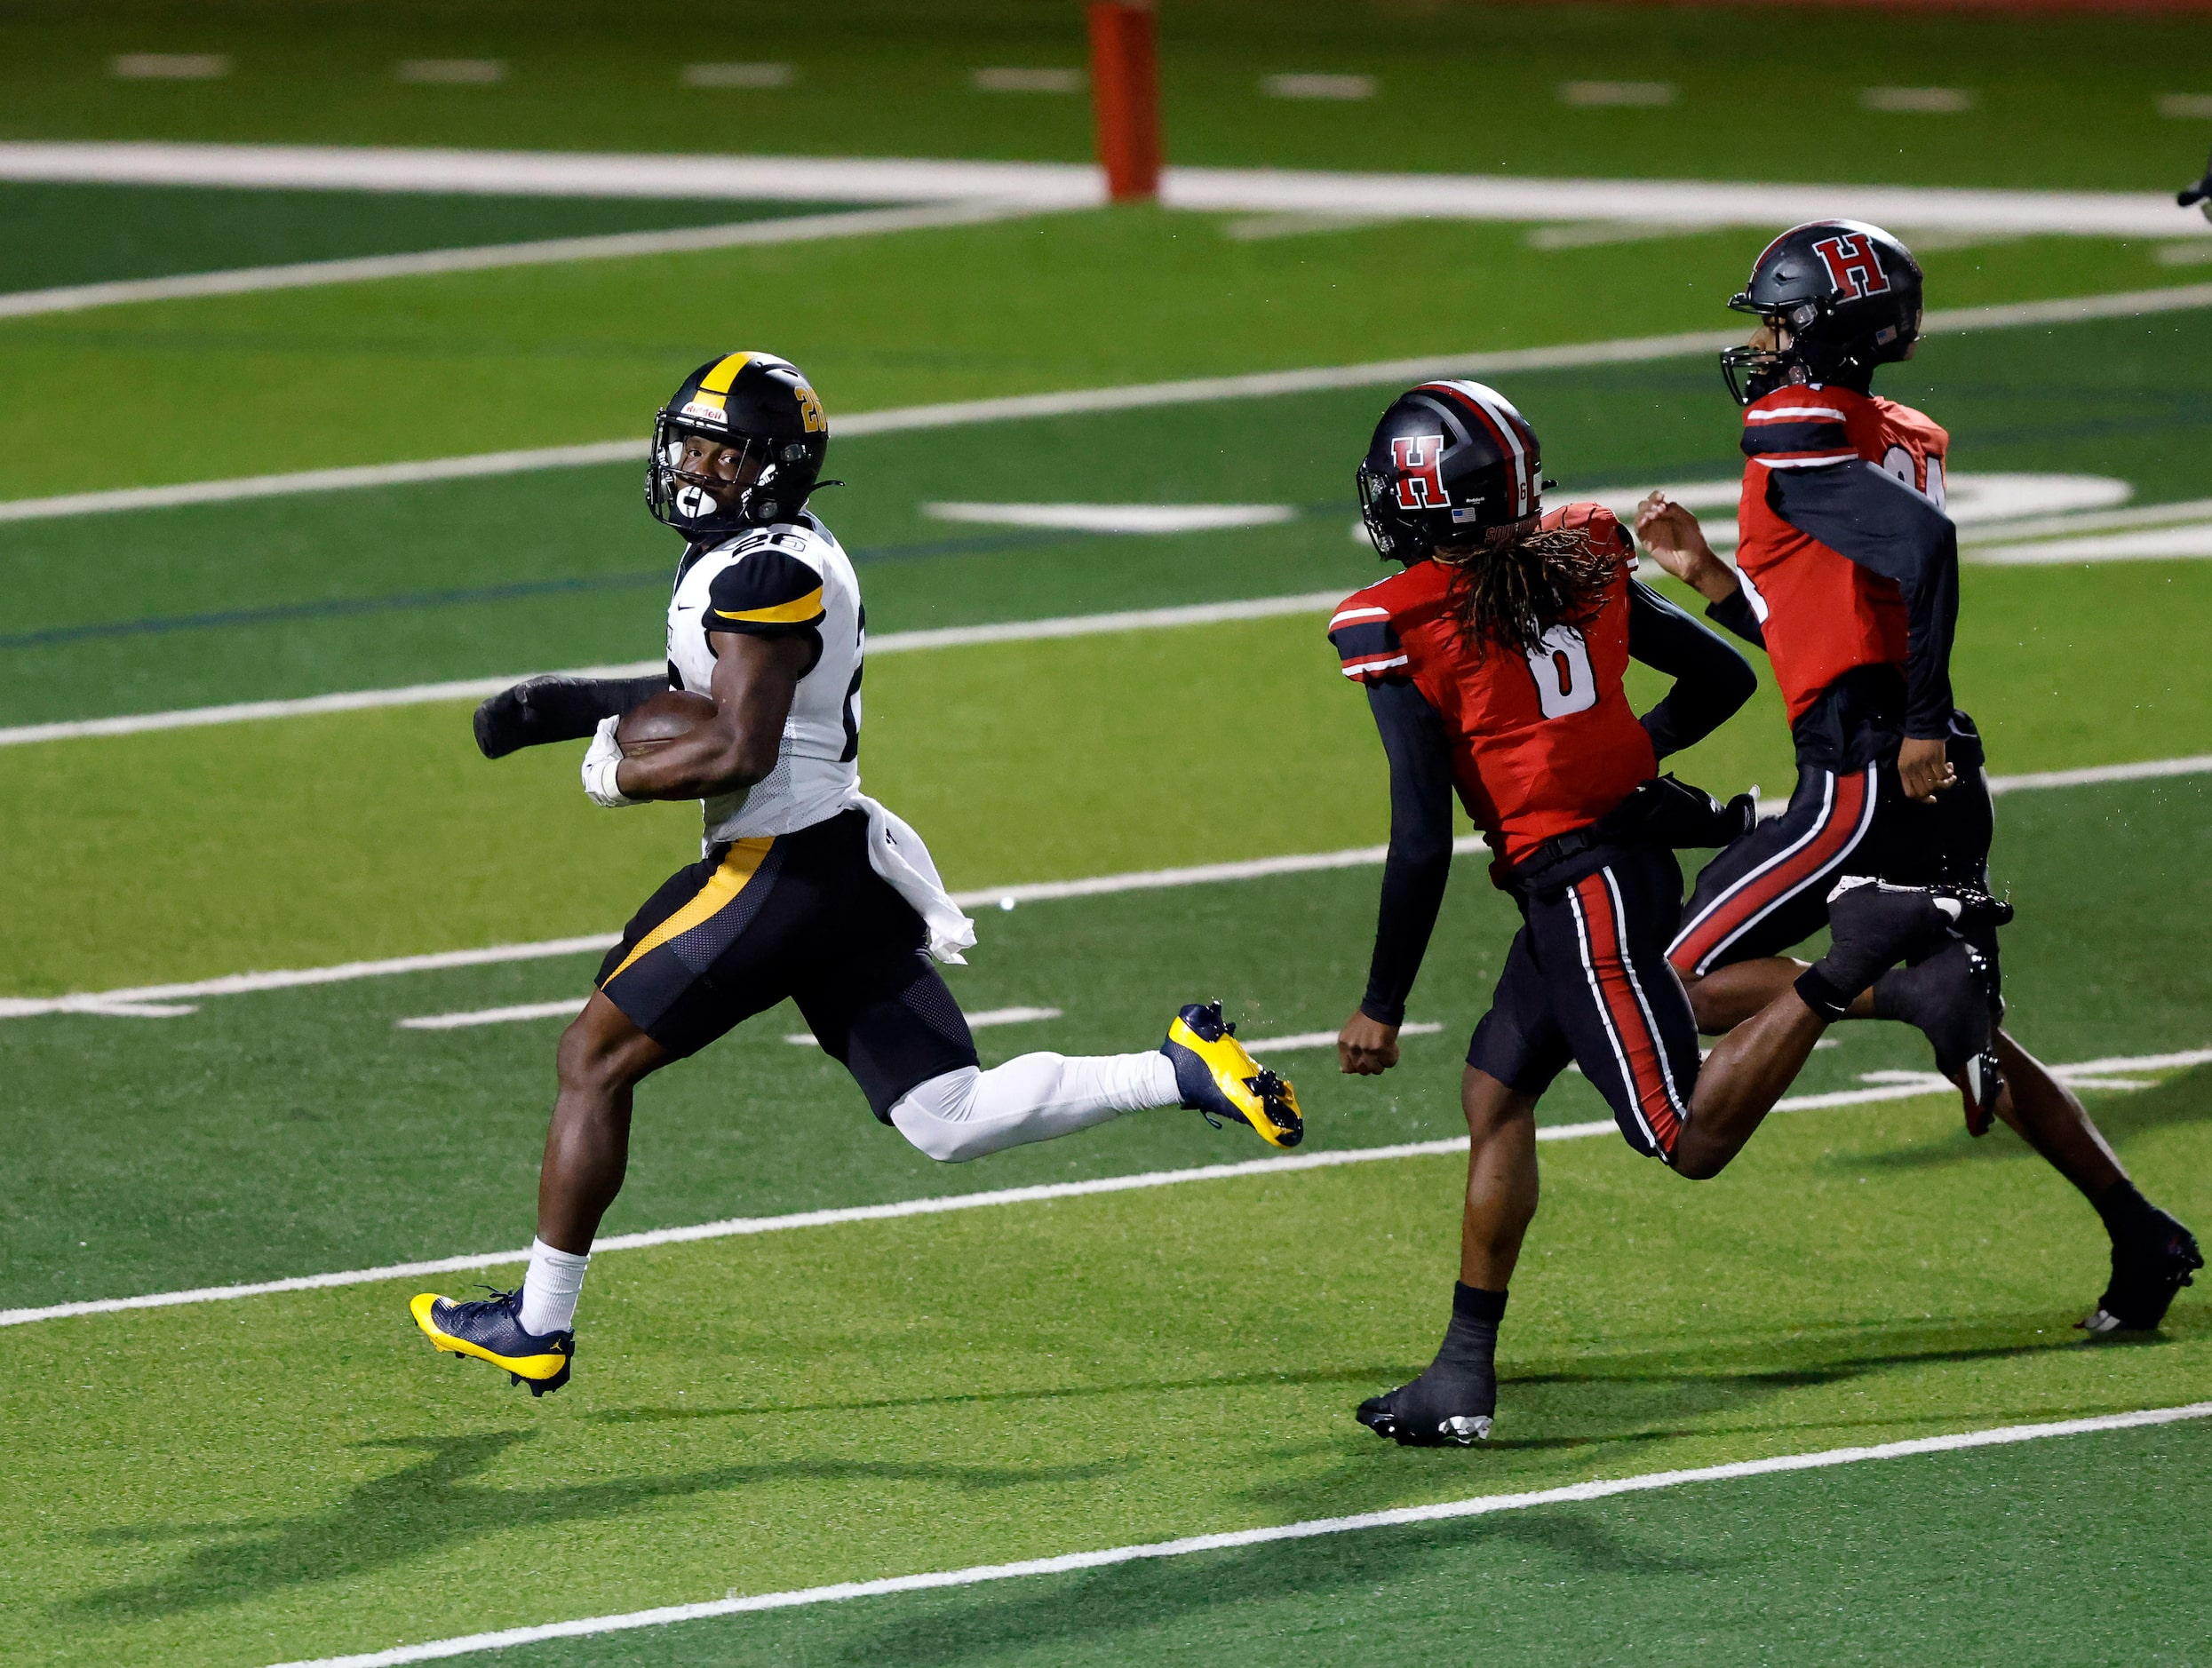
[760, 405]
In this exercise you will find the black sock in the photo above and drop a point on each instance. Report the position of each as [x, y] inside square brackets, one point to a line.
[1470, 1343]
[1821, 995]
[2122, 1208]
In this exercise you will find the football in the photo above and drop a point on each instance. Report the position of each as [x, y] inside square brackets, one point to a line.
[665, 719]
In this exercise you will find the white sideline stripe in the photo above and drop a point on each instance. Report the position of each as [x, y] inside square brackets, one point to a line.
[1076, 401]
[477, 688]
[485, 258]
[1212, 190]
[983, 897]
[740, 1226]
[553, 173]
[1311, 1529]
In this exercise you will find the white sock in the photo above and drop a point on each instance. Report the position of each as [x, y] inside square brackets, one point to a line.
[968, 1113]
[549, 1290]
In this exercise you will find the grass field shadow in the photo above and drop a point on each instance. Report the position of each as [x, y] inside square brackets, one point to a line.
[433, 1503]
[1081, 1618]
[2184, 1098]
[1598, 1407]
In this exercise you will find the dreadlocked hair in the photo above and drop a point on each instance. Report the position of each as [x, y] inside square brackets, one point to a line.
[1522, 579]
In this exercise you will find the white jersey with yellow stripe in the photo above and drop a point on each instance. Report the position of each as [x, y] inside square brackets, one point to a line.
[792, 579]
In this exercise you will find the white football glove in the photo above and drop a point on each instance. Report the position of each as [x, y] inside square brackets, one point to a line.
[601, 762]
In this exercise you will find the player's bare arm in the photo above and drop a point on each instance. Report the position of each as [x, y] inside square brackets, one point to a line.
[1366, 1047]
[755, 679]
[1671, 536]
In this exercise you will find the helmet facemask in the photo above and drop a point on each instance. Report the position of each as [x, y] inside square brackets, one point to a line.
[694, 503]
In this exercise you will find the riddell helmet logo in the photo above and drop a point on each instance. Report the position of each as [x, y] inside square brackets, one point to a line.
[1419, 461]
[1853, 267]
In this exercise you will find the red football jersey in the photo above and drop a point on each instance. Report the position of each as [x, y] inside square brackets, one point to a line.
[1541, 744]
[1821, 613]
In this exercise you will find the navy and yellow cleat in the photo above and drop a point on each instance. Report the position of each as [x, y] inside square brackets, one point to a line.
[490, 1329]
[1222, 1082]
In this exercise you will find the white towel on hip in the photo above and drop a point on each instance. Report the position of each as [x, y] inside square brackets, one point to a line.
[897, 853]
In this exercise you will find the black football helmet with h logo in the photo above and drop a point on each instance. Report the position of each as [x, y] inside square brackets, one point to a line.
[762, 408]
[1448, 462]
[1844, 296]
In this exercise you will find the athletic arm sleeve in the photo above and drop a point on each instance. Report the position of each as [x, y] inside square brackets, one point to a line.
[1884, 526]
[1419, 863]
[1734, 612]
[1711, 679]
[557, 708]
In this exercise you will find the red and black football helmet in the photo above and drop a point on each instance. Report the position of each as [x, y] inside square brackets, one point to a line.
[1846, 294]
[1448, 462]
[764, 408]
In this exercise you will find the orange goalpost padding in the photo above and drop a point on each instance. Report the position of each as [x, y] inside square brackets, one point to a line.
[1125, 93]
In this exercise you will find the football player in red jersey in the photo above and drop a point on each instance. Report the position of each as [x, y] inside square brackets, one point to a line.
[1493, 666]
[1847, 574]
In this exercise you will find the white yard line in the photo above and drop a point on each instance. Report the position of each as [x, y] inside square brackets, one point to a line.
[485, 258]
[2141, 770]
[477, 688]
[120, 1001]
[742, 1227]
[567, 1008]
[1128, 397]
[1213, 190]
[1311, 1529]
[978, 1021]
[1296, 1040]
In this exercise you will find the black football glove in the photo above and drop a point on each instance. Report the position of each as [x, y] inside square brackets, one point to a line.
[557, 708]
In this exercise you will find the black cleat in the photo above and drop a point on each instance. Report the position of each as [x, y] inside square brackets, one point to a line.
[2150, 1262]
[1951, 998]
[1874, 925]
[490, 1329]
[1426, 1414]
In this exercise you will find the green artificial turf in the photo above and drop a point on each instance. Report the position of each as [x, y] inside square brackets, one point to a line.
[278, 1478]
[431, 367]
[52, 234]
[2011, 1556]
[206, 851]
[134, 1139]
[294, 596]
[2061, 100]
[166, 855]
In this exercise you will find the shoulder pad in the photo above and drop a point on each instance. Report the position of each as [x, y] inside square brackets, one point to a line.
[1798, 428]
[1932, 435]
[1365, 639]
[1606, 530]
[764, 589]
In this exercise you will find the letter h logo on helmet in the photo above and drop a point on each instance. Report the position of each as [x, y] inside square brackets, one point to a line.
[1853, 266]
[1419, 461]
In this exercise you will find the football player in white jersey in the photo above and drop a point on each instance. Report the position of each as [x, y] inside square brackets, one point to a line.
[805, 889]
